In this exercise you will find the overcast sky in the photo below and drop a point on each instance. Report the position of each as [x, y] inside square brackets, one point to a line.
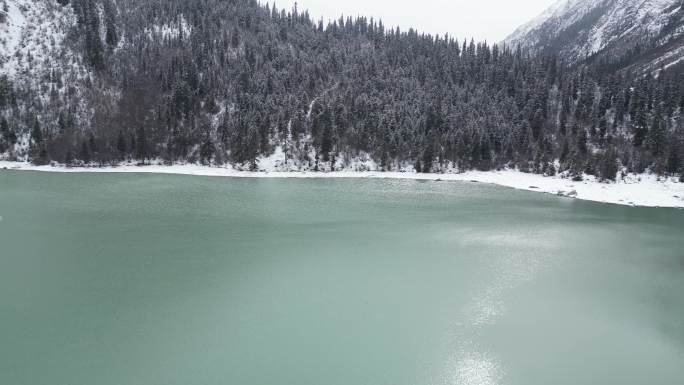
[490, 20]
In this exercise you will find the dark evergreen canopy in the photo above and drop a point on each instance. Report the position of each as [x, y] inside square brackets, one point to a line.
[218, 81]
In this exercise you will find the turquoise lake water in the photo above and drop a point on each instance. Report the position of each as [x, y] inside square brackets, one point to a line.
[109, 279]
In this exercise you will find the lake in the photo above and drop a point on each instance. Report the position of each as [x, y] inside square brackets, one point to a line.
[114, 279]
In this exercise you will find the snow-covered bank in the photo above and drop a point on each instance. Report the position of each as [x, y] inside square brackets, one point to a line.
[634, 190]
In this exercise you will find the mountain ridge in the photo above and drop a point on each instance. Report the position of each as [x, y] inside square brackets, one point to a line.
[607, 30]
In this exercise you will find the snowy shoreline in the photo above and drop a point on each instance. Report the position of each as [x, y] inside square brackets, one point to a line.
[634, 190]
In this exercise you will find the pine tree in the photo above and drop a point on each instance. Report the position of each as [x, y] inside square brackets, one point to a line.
[656, 135]
[235, 38]
[69, 158]
[111, 34]
[36, 133]
[609, 166]
[121, 147]
[674, 163]
[639, 123]
[84, 155]
[207, 151]
[39, 155]
[4, 126]
[61, 122]
[4, 134]
[93, 148]
[141, 150]
[93, 44]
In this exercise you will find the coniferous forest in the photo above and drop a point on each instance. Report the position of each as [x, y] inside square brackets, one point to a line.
[229, 81]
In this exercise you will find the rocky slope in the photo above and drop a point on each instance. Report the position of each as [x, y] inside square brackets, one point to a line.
[637, 34]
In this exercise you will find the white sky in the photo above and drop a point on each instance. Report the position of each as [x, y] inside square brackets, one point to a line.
[491, 20]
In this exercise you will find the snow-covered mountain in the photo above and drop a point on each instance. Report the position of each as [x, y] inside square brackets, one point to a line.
[34, 53]
[645, 34]
[32, 35]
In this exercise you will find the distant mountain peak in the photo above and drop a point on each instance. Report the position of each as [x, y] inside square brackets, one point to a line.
[578, 29]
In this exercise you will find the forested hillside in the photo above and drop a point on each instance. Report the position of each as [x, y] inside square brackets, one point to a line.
[233, 81]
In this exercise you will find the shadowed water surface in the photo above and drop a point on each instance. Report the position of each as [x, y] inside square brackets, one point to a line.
[150, 279]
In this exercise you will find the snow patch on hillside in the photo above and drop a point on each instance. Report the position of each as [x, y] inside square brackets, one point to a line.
[11, 31]
[36, 32]
[170, 31]
[36, 55]
[632, 190]
[671, 58]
